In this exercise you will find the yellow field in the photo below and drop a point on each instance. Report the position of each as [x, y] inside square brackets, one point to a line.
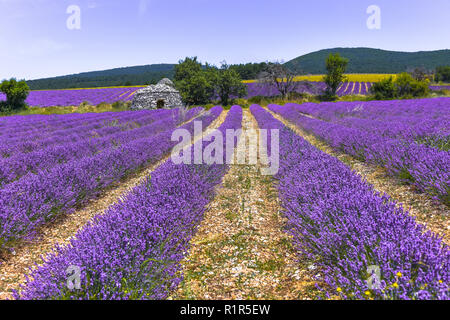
[353, 77]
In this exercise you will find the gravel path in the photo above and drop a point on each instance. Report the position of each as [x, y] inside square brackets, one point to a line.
[241, 250]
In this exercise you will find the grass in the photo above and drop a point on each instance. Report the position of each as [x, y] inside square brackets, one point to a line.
[270, 265]
[440, 93]
[82, 108]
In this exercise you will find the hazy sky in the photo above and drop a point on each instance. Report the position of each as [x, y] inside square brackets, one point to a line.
[35, 41]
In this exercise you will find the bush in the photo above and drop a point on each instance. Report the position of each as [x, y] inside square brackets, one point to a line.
[420, 88]
[120, 105]
[256, 99]
[403, 87]
[407, 86]
[242, 102]
[385, 89]
[442, 74]
[16, 93]
[297, 95]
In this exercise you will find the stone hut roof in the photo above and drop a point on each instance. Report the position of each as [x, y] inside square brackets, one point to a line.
[167, 82]
[163, 86]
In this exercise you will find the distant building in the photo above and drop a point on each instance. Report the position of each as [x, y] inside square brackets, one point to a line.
[163, 95]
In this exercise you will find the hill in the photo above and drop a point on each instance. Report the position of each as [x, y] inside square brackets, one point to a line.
[137, 75]
[362, 60]
[367, 60]
[128, 76]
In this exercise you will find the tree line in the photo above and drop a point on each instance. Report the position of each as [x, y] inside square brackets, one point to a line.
[201, 84]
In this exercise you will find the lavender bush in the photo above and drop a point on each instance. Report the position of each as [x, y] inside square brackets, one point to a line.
[36, 198]
[427, 167]
[46, 153]
[74, 97]
[346, 228]
[133, 250]
[20, 134]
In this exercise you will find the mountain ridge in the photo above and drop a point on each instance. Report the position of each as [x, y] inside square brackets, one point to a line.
[369, 60]
[361, 60]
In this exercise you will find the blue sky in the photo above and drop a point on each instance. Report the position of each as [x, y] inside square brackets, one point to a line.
[35, 41]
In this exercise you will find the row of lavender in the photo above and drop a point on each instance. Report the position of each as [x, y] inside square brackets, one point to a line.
[37, 124]
[437, 88]
[309, 87]
[78, 143]
[380, 109]
[74, 97]
[426, 167]
[351, 232]
[413, 120]
[37, 197]
[133, 250]
[42, 133]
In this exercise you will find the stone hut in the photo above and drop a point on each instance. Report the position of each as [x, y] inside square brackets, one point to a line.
[163, 95]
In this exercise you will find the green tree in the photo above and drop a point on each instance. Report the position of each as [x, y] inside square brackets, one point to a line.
[336, 66]
[16, 93]
[196, 90]
[249, 71]
[187, 68]
[193, 82]
[442, 74]
[384, 89]
[227, 84]
[403, 83]
[404, 86]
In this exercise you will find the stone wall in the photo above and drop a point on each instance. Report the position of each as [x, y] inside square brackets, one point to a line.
[148, 97]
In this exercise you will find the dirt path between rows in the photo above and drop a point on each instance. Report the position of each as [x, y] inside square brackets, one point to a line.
[14, 266]
[434, 215]
[241, 250]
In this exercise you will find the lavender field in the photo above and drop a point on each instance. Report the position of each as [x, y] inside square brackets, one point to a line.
[310, 87]
[316, 88]
[410, 138]
[338, 222]
[74, 97]
[336, 218]
[225, 159]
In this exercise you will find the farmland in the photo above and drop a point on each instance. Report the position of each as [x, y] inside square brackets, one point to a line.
[74, 97]
[338, 210]
[312, 88]
[318, 225]
[109, 95]
[373, 77]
